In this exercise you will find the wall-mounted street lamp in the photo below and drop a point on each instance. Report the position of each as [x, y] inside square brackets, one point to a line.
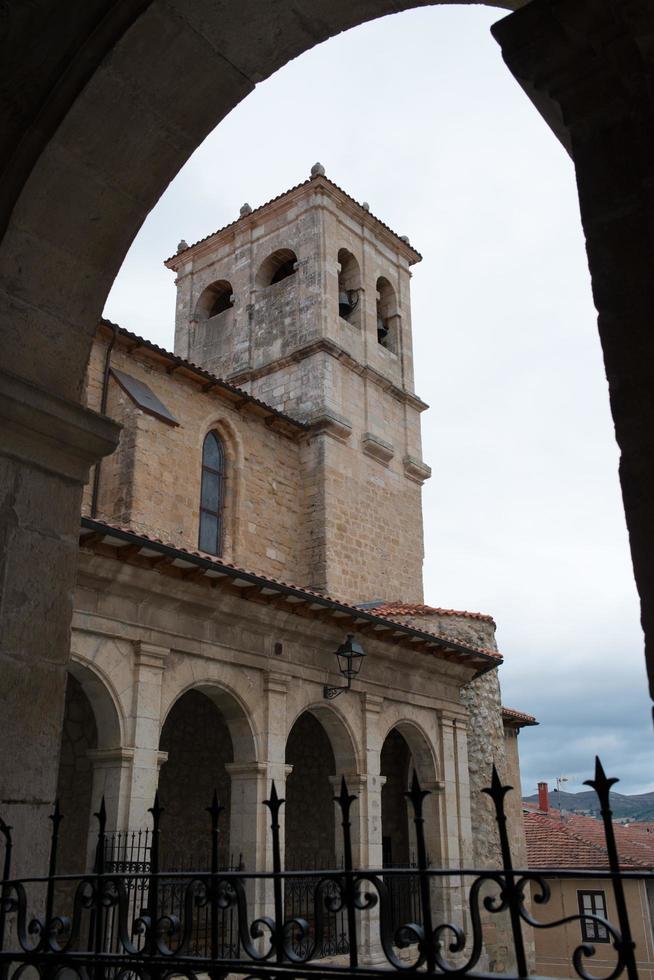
[350, 657]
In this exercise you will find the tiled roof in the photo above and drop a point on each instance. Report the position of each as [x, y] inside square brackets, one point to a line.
[518, 718]
[578, 842]
[96, 532]
[205, 376]
[419, 609]
[273, 200]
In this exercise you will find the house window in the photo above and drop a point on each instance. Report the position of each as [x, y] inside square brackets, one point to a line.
[593, 903]
[212, 499]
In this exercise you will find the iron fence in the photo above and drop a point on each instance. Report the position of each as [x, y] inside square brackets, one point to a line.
[152, 937]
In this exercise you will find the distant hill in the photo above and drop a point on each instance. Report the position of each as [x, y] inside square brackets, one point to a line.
[639, 807]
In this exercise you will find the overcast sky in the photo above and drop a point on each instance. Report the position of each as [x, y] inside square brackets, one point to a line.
[417, 114]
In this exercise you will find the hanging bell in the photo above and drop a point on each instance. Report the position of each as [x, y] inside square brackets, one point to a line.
[382, 331]
[344, 304]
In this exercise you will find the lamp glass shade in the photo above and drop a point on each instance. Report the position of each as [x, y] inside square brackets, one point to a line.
[350, 657]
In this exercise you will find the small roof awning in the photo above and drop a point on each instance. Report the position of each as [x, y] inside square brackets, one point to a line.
[143, 396]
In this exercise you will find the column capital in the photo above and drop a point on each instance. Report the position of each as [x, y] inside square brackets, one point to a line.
[273, 681]
[246, 770]
[150, 654]
[356, 782]
[372, 703]
[50, 432]
[108, 758]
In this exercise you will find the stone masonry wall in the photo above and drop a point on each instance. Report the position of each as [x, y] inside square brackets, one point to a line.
[152, 482]
[486, 746]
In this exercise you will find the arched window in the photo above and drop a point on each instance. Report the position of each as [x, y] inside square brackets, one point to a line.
[386, 315]
[349, 286]
[277, 267]
[215, 299]
[212, 499]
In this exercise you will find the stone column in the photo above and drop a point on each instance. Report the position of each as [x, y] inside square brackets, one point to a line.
[454, 817]
[47, 446]
[149, 662]
[588, 65]
[370, 817]
[112, 770]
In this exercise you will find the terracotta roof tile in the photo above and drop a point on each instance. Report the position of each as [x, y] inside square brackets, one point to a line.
[273, 200]
[419, 609]
[578, 842]
[441, 641]
[519, 717]
[205, 375]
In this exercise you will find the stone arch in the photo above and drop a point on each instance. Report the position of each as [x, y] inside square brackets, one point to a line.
[234, 710]
[91, 730]
[349, 287]
[387, 316]
[216, 298]
[319, 748]
[423, 753]
[103, 700]
[281, 265]
[341, 737]
[406, 747]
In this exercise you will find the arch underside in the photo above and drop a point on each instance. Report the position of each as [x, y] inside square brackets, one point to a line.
[83, 180]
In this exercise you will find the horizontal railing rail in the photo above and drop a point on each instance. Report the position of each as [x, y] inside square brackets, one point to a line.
[150, 922]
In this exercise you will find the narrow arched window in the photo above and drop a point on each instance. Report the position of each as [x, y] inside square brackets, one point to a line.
[212, 500]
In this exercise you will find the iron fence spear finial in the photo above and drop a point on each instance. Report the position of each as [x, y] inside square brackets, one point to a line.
[602, 785]
[497, 792]
[417, 796]
[5, 830]
[274, 804]
[345, 800]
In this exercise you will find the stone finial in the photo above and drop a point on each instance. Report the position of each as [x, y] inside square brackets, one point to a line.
[245, 210]
[365, 206]
[182, 245]
[317, 170]
[405, 238]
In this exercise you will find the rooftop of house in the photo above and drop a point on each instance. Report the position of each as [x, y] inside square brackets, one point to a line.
[317, 179]
[576, 841]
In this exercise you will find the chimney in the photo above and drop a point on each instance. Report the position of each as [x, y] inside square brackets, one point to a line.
[543, 798]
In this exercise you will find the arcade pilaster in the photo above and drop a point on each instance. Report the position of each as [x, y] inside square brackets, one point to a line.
[149, 663]
[589, 66]
[48, 446]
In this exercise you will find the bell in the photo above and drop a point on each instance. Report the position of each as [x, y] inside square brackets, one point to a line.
[344, 305]
[382, 331]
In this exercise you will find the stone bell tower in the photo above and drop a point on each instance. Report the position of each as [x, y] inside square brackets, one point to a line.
[304, 303]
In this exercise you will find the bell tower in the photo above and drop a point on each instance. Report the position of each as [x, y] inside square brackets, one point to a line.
[304, 303]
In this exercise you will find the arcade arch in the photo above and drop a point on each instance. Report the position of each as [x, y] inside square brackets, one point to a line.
[320, 749]
[91, 729]
[406, 748]
[205, 734]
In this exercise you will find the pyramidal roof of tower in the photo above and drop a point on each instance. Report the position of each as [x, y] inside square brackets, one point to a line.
[317, 179]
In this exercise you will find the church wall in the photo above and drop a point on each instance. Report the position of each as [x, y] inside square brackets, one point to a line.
[152, 482]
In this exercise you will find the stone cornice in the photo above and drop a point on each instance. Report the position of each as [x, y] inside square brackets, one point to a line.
[326, 346]
[50, 432]
[377, 448]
